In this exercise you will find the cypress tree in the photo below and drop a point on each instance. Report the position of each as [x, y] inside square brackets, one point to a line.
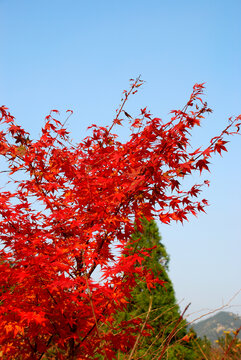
[165, 313]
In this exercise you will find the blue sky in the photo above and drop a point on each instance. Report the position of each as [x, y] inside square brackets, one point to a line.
[80, 54]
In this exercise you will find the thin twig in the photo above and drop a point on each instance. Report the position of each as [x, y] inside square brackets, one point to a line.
[92, 306]
[143, 327]
[227, 305]
[200, 349]
[231, 344]
[170, 336]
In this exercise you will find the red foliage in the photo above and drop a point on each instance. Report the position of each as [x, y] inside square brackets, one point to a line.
[59, 222]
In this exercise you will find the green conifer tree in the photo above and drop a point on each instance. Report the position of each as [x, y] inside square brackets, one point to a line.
[164, 316]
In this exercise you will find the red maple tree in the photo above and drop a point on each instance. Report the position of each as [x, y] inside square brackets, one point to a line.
[64, 209]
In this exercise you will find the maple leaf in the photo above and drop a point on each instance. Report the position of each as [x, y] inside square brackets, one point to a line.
[127, 115]
[55, 111]
[118, 121]
[202, 164]
[219, 146]
[62, 132]
[136, 123]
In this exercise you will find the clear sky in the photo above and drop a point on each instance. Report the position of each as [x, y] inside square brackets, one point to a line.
[79, 55]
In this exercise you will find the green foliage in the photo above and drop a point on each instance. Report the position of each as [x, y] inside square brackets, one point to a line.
[230, 345]
[164, 316]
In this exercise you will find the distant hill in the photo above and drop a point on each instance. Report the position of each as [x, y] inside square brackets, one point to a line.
[214, 326]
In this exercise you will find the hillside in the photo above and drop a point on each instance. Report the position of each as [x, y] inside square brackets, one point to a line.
[214, 326]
